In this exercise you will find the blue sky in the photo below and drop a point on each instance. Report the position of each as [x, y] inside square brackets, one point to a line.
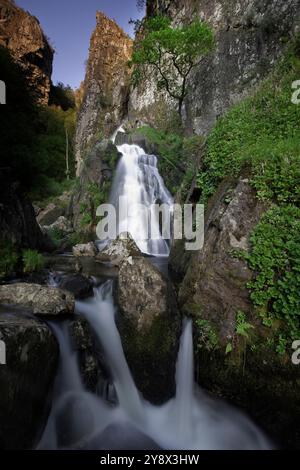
[69, 25]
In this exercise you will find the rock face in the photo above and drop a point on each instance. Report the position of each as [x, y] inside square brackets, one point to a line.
[22, 34]
[41, 300]
[18, 225]
[212, 287]
[25, 380]
[106, 85]
[149, 324]
[121, 250]
[250, 36]
[215, 276]
[95, 182]
[88, 249]
[78, 285]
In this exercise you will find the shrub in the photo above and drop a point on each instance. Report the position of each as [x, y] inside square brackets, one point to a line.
[262, 134]
[32, 261]
[8, 259]
[275, 259]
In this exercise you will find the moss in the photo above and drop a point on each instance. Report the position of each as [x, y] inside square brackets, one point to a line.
[151, 355]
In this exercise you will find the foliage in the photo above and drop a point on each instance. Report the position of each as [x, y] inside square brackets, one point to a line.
[262, 134]
[176, 162]
[62, 96]
[8, 259]
[242, 326]
[173, 52]
[207, 336]
[275, 258]
[95, 196]
[32, 137]
[33, 261]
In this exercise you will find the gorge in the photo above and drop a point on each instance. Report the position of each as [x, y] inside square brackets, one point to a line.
[137, 342]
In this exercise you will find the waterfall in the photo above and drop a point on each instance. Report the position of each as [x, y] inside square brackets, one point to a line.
[191, 420]
[137, 178]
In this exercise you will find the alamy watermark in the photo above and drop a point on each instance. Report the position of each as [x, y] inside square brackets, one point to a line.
[157, 221]
[296, 95]
[2, 353]
[2, 92]
[296, 355]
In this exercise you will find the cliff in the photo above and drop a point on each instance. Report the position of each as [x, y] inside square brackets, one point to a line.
[22, 34]
[106, 85]
[251, 34]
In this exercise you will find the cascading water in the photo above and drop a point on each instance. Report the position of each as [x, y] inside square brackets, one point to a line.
[138, 179]
[191, 420]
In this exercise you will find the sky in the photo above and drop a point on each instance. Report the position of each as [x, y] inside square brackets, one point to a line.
[69, 25]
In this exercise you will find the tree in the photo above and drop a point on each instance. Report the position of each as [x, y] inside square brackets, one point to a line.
[173, 52]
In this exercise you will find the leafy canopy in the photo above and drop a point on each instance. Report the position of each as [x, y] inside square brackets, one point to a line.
[172, 52]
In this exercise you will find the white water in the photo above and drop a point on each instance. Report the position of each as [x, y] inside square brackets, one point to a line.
[138, 179]
[191, 420]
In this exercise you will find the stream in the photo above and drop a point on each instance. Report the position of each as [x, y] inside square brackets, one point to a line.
[191, 420]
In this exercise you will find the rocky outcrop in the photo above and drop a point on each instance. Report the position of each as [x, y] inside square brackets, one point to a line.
[251, 34]
[121, 250]
[233, 363]
[95, 183]
[88, 249]
[22, 34]
[80, 286]
[18, 225]
[149, 324]
[216, 275]
[106, 85]
[40, 300]
[26, 379]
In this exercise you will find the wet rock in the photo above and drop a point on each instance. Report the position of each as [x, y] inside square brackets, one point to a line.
[150, 326]
[88, 249]
[216, 280]
[91, 359]
[120, 250]
[26, 380]
[41, 300]
[80, 286]
[50, 214]
[62, 224]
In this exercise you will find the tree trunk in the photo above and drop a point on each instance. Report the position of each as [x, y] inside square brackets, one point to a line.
[67, 155]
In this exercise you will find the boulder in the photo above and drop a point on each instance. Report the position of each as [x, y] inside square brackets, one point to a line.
[26, 379]
[80, 286]
[87, 249]
[62, 224]
[41, 300]
[120, 250]
[50, 214]
[150, 326]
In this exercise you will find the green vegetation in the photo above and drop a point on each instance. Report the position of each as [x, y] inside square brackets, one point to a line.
[33, 261]
[275, 258]
[172, 52]
[207, 336]
[33, 138]
[95, 196]
[262, 135]
[260, 138]
[177, 155]
[8, 259]
[242, 326]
